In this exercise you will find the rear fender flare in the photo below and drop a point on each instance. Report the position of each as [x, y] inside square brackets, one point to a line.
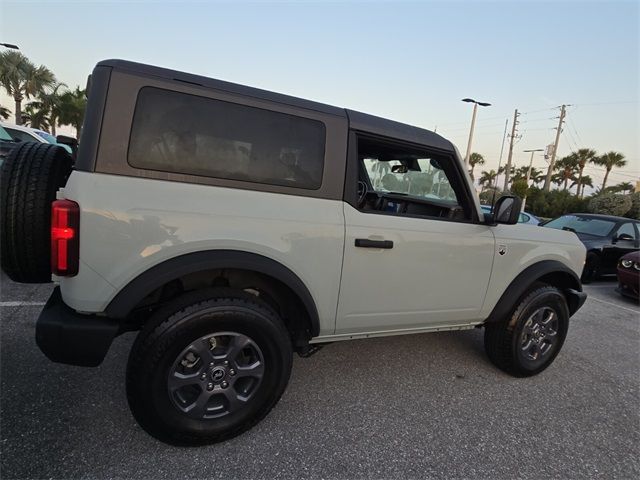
[125, 301]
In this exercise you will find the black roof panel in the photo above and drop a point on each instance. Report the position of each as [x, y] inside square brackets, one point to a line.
[357, 120]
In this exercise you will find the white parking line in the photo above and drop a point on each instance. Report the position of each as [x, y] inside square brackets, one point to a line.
[614, 305]
[21, 304]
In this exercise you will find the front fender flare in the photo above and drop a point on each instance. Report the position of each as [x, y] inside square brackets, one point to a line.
[564, 278]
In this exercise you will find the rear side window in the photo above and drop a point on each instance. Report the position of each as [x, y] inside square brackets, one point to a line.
[182, 133]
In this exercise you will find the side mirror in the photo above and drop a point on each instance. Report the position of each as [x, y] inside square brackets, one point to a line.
[65, 140]
[625, 236]
[507, 210]
[70, 142]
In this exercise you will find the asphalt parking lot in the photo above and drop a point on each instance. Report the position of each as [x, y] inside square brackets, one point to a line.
[403, 407]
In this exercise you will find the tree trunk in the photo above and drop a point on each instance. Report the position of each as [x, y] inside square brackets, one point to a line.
[78, 131]
[580, 186]
[566, 181]
[604, 182]
[53, 125]
[18, 111]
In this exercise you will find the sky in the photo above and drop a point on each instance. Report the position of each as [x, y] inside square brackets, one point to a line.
[409, 61]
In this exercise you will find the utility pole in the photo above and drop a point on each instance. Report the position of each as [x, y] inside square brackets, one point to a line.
[524, 200]
[547, 181]
[507, 172]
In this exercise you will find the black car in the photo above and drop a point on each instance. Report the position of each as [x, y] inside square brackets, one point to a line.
[606, 237]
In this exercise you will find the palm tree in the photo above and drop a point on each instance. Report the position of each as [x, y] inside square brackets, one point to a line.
[475, 159]
[22, 79]
[567, 167]
[581, 182]
[608, 161]
[4, 112]
[537, 176]
[503, 169]
[624, 187]
[35, 116]
[584, 156]
[486, 179]
[51, 101]
[71, 109]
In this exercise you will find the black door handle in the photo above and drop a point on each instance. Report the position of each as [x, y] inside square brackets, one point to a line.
[366, 243]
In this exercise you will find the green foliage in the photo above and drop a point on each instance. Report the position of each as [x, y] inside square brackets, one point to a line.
[554, 203]
[520, 188]
[486, 196]
[610, 204]
[71, 109]
[634, 212]
[22, 79]
[4, 112]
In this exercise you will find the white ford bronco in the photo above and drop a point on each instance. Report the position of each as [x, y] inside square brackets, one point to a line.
[233, 226]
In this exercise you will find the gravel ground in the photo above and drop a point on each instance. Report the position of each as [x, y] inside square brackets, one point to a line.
[402, 407]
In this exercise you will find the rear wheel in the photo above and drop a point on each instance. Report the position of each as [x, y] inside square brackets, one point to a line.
[528, 341]
[208, 367]
[30, 177]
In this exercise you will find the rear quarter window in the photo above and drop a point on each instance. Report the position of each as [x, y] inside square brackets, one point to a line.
[189, 134]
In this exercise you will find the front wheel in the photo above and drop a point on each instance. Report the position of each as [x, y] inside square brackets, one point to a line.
[208, 367]
[591, 269]
[528, 341]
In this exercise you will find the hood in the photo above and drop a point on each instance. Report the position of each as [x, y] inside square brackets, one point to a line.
[634, 256]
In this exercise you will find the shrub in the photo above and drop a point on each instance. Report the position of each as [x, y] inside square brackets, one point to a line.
[554, 203]
[610, 204]
[634, 212]
[487, 195]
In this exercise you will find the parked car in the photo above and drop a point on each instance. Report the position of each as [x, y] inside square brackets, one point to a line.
[606, 237]
[524, 217]
[21, 133]
[232, 226]
[629, 275]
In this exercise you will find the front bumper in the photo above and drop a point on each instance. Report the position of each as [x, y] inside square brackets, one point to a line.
[66, 336]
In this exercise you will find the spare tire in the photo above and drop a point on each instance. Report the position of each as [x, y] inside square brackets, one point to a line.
[30, 177]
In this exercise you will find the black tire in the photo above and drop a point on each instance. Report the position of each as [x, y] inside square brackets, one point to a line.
[31, 176]
[511, 343]
[591, 270]
[174, 329]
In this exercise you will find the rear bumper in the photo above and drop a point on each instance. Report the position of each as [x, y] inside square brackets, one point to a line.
[575, 300]
[66, 336]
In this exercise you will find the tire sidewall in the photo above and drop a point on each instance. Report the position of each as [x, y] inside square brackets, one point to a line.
[152, 404]
[548, 297]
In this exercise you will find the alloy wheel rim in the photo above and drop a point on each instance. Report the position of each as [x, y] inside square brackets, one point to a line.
[539, 334]
[216, 375]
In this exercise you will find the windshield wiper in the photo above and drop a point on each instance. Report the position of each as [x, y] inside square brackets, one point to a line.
[569, 229]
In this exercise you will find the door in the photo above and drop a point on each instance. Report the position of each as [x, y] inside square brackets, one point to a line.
[413, 255]
[619, 246]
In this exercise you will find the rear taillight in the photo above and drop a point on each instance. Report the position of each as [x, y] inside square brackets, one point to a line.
[65, 241]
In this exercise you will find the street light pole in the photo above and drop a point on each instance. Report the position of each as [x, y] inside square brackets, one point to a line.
[473, 124]
[524, 200]
[10, 45]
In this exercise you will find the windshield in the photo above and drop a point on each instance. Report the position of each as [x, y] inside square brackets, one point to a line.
[591, 226]
[47, 136]
[4, 135]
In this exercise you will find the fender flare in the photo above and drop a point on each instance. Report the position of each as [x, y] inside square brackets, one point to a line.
[569, 284]
[127, 298]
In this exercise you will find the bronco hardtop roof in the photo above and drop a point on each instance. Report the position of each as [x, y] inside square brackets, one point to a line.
[357, 120]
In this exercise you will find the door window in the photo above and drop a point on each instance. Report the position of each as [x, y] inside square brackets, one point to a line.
[405, 180]
[628, 229]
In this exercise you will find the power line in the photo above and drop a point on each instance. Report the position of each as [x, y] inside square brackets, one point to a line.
[603, 103]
